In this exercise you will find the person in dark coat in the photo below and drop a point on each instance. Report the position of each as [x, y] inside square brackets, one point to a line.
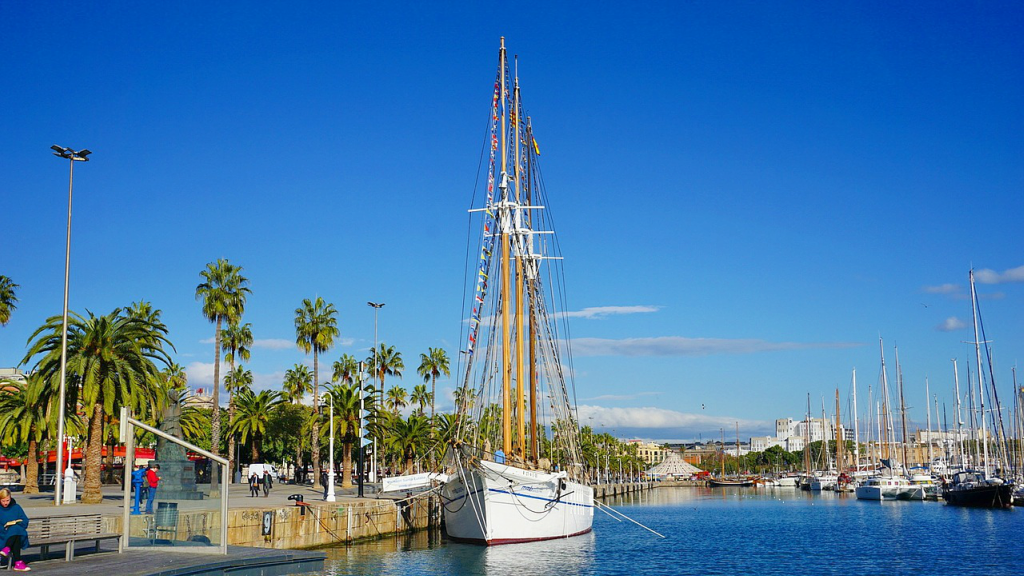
[254, 485]
[13, 530]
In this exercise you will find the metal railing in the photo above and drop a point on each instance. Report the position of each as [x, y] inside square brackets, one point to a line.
[128, 425]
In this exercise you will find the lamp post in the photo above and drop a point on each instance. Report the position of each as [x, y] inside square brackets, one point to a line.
[330, 475]
[359, 452]
[376, 307]
[72, 156]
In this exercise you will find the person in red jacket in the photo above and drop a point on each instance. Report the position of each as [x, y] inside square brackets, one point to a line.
[152, 480]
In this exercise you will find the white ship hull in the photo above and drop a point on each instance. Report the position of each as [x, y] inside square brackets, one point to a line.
[885, 488]
[504, 504]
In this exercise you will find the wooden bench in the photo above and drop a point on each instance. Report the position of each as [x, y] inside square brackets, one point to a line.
[67, 530]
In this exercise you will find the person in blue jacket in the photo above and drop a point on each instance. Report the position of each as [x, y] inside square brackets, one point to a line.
[13, 530]
[138, 483]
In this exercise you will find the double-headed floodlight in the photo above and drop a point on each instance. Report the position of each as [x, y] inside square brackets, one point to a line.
[73, 156]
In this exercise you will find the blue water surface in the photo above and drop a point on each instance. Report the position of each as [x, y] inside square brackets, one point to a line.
[730, 531]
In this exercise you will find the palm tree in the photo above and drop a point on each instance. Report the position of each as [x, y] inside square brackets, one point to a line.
[297, 381]
[384, 361]
[237, 380]
[223, 292]
[316, 327]
[420, 397]
[7, 299]
[465, 397]
[397, 399]
[110, 362]
[433, 364]
[409, 438]
[253, 413]
[176, 379]
[345, 370]
[24, 418]
[236, 339]
[346, 424]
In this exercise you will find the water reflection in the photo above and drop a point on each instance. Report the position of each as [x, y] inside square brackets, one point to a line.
[729, 531]
[418, 554]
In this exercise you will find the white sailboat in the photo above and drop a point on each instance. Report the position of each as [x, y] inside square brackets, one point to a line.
[887, 485]
[508, 480]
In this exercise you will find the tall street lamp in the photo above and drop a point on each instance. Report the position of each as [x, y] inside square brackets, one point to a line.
[72, 156]
[376, 307]
[329, 494]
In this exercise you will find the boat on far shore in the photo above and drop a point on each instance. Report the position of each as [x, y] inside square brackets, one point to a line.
[726, 482]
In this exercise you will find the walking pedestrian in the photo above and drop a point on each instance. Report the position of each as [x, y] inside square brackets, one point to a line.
[153, 480]
[13, 530]
[266, 483]
[254, 485]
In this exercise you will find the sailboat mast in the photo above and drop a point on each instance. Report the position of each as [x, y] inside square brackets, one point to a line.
[903, 410]
[981, 388]
[532, 309]
[807, 438]
[928, 407]
[825, 465]
[520, 274]
[506, 224]
[959, 417]
[839, 441]
[737, 448]
[884, 419]
[856, 427]
[722, 432]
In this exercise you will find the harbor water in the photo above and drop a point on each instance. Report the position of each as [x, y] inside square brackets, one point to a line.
[730, 531]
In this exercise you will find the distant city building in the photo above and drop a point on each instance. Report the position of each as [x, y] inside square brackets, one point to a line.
[12, 375]
[650, 452]
[199, 400]
[791, 435]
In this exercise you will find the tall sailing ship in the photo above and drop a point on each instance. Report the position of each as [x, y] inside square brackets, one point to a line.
[514, 467]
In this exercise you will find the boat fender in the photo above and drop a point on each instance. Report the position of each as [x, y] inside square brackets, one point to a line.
[561, 484]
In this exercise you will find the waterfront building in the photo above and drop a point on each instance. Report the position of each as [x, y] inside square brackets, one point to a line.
[651, 453]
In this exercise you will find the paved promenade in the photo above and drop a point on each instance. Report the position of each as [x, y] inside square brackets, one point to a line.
[39, 505]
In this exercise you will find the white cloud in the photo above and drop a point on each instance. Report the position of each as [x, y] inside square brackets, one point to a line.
[604, 311]
[680, 346]
[653, 422]
[951, 324]
[988, 276]
[270, 381]
[273, 343]
[200, 375]
[209, 340]
[942, 289]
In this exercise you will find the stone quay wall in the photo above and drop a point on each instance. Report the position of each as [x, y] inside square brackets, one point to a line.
[322, 524]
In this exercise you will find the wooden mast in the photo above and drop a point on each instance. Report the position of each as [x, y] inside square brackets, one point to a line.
[531, 293]
[520, 270]
[506, 344]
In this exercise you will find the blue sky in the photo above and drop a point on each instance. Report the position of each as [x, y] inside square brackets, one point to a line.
[748, 196]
